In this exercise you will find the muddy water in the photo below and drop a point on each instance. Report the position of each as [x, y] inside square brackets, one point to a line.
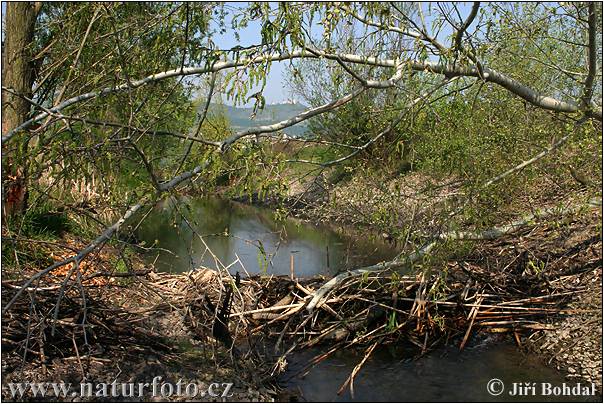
[443, 375]
[187, 233]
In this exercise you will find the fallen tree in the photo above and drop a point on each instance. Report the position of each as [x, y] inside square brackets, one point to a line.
[516, 291]
[406, 261]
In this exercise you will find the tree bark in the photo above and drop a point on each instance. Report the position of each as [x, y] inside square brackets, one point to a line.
[18, 75]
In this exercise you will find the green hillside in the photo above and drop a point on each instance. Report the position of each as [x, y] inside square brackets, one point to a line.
[240, 116]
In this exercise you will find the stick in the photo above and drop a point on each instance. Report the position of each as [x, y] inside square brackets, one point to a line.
[356, 370]
[410, 259]
[473, 314]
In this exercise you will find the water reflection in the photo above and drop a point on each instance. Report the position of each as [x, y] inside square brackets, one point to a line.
[443, 375]
[230, 231]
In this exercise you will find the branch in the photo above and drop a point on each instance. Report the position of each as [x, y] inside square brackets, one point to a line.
[391, 82]
[487, 74]
[292, 121]
[168, 185]
[520, 166]
[77, 57]
[414, 35]
[424, 36]
[348, 70]
[146, 163]
[60, 116]
[592, 55]
[218, 66]
[466, 25]
[201, 119]
[389, 129]
[408, 260]
[106, 235]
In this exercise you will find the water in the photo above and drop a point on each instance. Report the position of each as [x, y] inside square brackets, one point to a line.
[193, 232]
[190, 228]
[445, 374]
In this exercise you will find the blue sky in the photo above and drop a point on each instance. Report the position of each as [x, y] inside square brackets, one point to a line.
[275, 90]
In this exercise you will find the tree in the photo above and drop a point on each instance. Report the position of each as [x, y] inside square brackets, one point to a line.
[78, 47]
[18, 75]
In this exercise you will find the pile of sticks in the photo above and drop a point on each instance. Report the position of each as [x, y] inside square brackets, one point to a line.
[385, 305]
[511, 283]
[80, 324]
[426, 309]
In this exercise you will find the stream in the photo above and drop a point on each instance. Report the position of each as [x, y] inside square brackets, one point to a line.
[188, 233]
[191, 232]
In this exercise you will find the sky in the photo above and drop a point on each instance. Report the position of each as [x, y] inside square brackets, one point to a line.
[275, 90]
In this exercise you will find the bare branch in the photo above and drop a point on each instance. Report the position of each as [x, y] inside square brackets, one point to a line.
[292, 121]
[465, 26]
[76, 259]
[486, 74]
[592, 55]
[318, 297]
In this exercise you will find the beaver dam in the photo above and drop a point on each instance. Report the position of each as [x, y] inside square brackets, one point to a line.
[513, 282]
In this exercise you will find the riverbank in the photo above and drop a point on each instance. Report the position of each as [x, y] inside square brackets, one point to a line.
[158, 325]
[523, 284]
[568, 249]
[117, 327]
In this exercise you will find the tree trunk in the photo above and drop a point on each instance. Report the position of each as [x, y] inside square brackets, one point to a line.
[17, 74]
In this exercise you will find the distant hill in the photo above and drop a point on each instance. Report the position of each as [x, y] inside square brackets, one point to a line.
[240, 116]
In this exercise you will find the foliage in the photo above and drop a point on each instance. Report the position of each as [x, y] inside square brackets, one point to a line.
[436, 112]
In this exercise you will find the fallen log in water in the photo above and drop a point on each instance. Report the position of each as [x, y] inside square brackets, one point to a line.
[405, 261]
[493, 288]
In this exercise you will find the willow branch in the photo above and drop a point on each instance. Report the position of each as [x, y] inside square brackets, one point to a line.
[489, 75]
[466, 25]
[528, 162]
[202, 119]
[294, 120]
[380, 135]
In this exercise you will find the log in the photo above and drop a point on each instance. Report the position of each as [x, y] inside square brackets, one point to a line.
[406, 261]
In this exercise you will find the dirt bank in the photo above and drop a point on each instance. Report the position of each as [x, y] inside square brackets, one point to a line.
[574, 345]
